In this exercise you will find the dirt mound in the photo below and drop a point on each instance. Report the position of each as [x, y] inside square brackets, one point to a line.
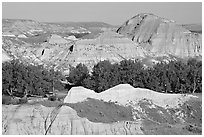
[161, 37]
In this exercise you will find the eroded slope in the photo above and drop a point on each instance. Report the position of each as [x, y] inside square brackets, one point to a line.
[161, 37]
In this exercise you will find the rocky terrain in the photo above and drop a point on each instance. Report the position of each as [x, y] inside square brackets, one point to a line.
[60, 45]
[85, 112]
[122, 109]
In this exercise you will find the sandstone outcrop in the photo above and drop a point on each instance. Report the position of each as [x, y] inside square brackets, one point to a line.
[162, 37]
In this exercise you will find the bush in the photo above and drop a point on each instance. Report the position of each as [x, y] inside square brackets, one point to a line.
[6, 99]
[52, 98]
[14, 101]
[23, 100]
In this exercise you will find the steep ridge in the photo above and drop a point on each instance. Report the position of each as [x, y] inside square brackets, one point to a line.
[162, 37]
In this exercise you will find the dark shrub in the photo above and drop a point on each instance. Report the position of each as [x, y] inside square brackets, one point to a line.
[52, 98]
[78, 74]
[6, 99]
[14, 101]
[23, 100]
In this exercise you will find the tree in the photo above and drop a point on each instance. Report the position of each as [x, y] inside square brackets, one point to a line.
[102, 75]
[78, 75]
[7, 78]
[19, 79]
[195, 75]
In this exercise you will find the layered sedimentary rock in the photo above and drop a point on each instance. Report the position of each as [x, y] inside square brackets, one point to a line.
[161, 37]
[146, 37]
[108, 46]
[53, 53]
[63, 53]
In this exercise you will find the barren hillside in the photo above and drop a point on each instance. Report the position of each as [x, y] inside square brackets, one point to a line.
[161, 37]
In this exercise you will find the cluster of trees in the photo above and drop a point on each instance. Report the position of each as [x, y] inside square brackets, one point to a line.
[18, 79]
[172, 77]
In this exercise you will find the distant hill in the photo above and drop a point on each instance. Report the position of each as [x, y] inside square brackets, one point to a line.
[146, 37]
[193, 27]
[86, 24]
[31, 28]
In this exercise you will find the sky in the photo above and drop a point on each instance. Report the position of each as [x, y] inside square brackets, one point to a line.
[112, 13]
